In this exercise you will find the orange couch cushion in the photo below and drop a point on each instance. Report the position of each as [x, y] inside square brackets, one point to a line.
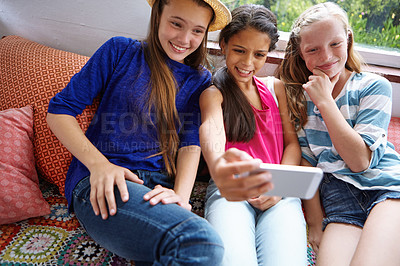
[31, 74]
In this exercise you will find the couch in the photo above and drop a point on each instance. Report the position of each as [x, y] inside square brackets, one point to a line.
[36, 228]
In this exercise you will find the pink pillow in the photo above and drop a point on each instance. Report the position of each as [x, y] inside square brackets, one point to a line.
[394, 132]
[20, 196]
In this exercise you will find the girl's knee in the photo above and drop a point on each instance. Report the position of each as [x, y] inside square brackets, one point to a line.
[198, 230]
[197, 241]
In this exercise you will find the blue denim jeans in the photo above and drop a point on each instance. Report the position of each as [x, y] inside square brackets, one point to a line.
[344, 203]
[253, 237]
[149, 235]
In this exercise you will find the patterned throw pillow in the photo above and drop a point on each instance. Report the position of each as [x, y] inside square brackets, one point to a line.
[20, 196]
[32, 74]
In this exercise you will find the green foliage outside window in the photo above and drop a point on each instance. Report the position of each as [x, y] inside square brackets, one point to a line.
[374, 22]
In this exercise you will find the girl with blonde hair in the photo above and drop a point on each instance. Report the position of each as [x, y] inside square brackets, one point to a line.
[342, 116]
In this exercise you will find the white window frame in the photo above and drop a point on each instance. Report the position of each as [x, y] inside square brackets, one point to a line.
[372, 56]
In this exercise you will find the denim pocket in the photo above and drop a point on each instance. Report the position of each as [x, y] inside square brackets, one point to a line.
[326, 180]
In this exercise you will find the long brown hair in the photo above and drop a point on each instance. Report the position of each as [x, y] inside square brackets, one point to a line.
[293, 70]
[239, 118]
[163, 86]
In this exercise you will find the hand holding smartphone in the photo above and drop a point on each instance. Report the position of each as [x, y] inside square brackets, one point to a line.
[291, 180]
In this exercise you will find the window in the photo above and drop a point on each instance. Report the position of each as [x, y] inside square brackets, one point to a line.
[376, 24]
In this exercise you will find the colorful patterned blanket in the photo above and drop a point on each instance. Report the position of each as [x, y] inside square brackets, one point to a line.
[58, 238]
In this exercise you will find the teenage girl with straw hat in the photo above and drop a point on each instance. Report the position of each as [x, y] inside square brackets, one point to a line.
[133, 170]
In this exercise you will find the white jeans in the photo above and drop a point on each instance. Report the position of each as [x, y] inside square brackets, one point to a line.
[275, 237]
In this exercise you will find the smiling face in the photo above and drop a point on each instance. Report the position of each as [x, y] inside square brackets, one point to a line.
[324, 46]
[246, 53]
[183, 25]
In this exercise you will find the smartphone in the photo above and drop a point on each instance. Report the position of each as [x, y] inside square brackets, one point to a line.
[291, 180]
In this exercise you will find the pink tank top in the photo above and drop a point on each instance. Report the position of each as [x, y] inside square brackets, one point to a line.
[267, 143]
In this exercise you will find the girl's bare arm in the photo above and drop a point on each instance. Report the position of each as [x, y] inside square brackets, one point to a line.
[292, 151]
[224, 165]
[187, 164]
[103, 174]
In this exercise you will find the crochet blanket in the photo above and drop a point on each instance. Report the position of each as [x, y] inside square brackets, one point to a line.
[59, 239]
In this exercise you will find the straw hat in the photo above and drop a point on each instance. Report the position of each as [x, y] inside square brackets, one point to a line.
[222, 14]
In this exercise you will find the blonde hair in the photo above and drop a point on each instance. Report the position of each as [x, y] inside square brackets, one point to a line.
[293, 70]
[163, 85]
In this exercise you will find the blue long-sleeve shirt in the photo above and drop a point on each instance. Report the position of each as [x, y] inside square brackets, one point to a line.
[122, 128]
